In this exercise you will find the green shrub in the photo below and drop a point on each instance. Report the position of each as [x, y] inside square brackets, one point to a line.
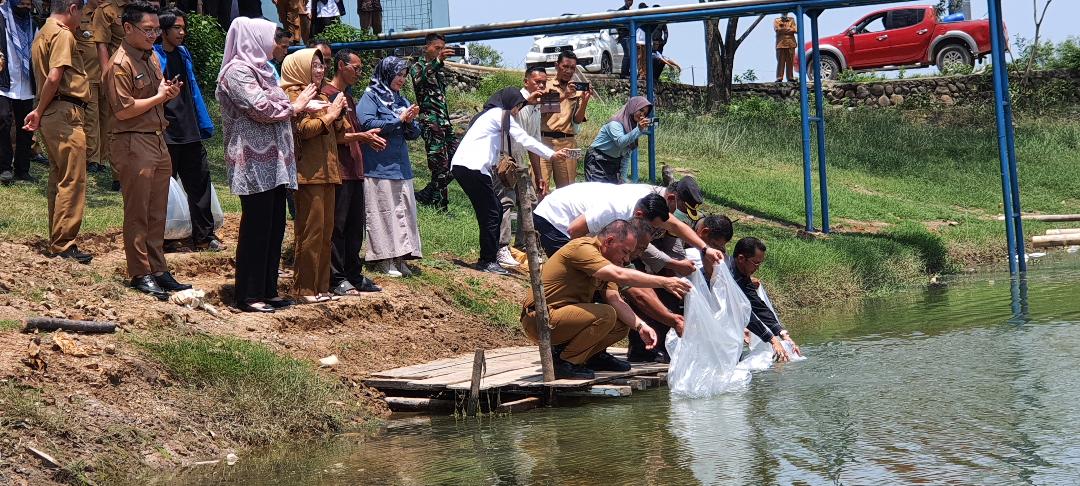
[337, 33]
[206, 41]
[496, 81]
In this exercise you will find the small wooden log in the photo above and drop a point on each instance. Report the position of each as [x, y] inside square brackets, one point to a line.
[634, 383]
[45, 457]
[52, 324]
[1055, 240]
[410, 404]
[525, 195]
[1061, 218]
[474, 390]
[1067, 231]
[600, 391]
[527, 403]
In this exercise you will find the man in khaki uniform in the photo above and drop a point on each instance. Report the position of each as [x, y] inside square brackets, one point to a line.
[92, 66]
[137, 92]
[293, 15]
[785, 29]
[581, 328]
[559, 128]
[107, 33]
[62, 93]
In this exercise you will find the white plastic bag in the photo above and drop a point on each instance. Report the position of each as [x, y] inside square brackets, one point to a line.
[761, 353]
[704, 359]
[215, 208]
[177, 217]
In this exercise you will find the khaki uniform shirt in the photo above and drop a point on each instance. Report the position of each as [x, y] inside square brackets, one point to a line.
[316, 138]
[563, 121]
[568, 274]
[107, 27]
[785, 33]
[87, 46]
[55, 46]
[131, 75]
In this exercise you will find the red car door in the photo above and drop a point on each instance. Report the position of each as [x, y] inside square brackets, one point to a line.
[868, 43]
[909, 32]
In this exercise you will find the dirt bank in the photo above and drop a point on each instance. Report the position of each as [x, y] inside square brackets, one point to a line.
[109, 407]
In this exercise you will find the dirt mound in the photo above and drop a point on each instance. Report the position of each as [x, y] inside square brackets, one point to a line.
[105, 404]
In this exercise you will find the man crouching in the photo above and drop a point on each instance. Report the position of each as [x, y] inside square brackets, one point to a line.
[586, 271]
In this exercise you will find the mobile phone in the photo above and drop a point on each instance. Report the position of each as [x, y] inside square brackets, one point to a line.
[581, 85]
[575, 153]
[550, 103]
[175, 79]
[459, 51]
[655, 122]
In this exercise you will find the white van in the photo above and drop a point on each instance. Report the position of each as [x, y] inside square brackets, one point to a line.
[597, 52]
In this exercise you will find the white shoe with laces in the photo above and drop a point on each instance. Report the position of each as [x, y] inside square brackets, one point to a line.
[506, 258]
[387, 267]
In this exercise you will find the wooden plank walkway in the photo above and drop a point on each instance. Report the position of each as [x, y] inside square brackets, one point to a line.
[515, 369]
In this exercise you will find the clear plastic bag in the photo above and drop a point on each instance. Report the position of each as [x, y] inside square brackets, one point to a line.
[761, 353]
[704, 359]
[215, 208]
[178, 216]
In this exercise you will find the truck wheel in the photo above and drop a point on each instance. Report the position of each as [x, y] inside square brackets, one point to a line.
[953, 55]
[830, 68]
[605, 63]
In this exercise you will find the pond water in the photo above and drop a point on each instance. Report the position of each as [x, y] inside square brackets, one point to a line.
[973, 382]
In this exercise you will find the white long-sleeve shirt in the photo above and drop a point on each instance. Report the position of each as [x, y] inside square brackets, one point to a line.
[479, 149]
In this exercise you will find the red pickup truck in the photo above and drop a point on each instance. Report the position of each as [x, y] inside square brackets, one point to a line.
[894, 38]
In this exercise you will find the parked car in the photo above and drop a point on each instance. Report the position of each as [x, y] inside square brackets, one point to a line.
[904, 37]
[597, 52]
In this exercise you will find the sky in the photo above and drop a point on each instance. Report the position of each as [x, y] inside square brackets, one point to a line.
[686, 44]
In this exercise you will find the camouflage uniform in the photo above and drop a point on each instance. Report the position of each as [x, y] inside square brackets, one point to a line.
[429, 84]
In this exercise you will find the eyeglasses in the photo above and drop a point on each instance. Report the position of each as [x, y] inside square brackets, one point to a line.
[354, 67]
[152, 34]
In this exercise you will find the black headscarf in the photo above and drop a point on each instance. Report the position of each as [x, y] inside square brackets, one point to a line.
[506, 99]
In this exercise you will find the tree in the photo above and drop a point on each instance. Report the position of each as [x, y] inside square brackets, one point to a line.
[1038, 25]
[486, 54]
[720, 56]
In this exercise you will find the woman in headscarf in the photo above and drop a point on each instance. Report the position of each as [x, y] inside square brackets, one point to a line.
[608, 158]
[317, 175]
[474, 164]
[259, 157]
[392, 232]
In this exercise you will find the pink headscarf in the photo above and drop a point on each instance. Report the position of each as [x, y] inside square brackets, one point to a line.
[250, 42]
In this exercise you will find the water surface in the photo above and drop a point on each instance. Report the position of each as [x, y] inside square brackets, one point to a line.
[958, 384]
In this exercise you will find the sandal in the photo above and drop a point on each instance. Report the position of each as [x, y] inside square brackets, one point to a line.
[314, 299]
[328, 296]
[256, 307]
[345, 289]
[280, 303]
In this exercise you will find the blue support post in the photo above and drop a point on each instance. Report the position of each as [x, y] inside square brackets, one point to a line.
[650, 93]
[1010, 134]
[808, 183]
[1001, 95]
[633, 90]
[819, 118]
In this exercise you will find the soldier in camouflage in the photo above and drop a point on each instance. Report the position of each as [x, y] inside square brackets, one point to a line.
[429, 84]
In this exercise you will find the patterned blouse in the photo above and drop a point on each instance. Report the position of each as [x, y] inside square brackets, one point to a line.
[256, 119]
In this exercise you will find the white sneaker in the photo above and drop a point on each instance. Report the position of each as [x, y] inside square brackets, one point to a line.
[402, 268]
[387, 267]
[506, 258]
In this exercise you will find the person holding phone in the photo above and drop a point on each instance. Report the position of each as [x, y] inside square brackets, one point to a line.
[560, 129]
[189, 124]
[137, 92]
[440, 141]
[608, 158]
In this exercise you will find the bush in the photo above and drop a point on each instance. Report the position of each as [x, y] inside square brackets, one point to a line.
[338, 33]
[485, 54]
[206, 41]
[496, 81]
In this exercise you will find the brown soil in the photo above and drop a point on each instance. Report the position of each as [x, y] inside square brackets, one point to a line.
[116, 408]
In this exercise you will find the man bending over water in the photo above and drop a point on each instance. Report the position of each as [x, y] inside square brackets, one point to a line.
[749, 255]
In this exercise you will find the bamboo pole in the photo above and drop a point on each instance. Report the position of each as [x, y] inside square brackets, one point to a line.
[1066, 231]
[525, 196]
[1047, 217]
[1055, 240]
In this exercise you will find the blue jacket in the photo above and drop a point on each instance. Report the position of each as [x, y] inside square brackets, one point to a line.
[206, 125]
[392, 162]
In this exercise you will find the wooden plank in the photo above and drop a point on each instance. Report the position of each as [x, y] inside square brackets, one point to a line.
[1046, 217]
[527, 403]
[504, 378]
[494, 366]
[601, 377]
[1068, 239]
[409, 404]
[600, 391]
[651, 381]
[427, 370]
[1065, 231]
[633, 383]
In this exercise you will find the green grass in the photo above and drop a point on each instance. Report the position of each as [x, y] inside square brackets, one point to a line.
[24, 404]
[265, 396]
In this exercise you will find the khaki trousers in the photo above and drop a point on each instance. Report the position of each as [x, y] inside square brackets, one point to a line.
[785, 63]
[586, 329]
[314, 231]
[104, 127]
[565, 172]
[62, 130]
[289, 16]
[92, 126]
[143, 165]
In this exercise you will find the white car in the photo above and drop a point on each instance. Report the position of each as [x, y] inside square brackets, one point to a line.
[597, 52]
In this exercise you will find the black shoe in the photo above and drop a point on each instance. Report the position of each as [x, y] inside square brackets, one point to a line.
[642, 356]
[280, 303]
[214, 245]
[25, 176]
[147, 285]
[7, 177]
[265, 308]
[424, 196]
[94, 167]
[115, 186]
[41, 159]
[491, 267]
[662, 357]
[367, 285]
[565, 370]
[167, 282]
[603, 361]
[73, 253]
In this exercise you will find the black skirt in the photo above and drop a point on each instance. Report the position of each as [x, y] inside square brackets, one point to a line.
[600, 167]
